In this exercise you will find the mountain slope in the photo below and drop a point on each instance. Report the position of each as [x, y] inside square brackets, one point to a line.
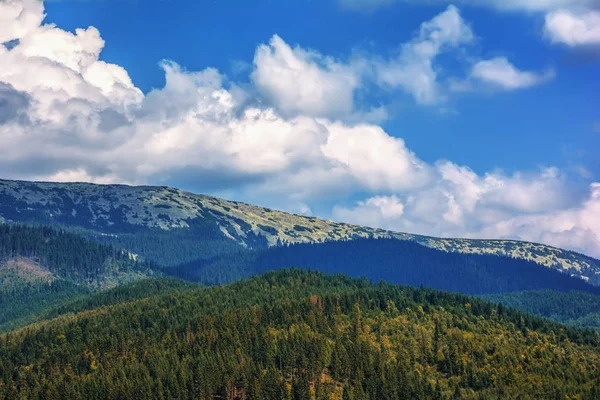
[42, 267]
[172, 226]
[573, 308]
[390, 260]
[301, 335]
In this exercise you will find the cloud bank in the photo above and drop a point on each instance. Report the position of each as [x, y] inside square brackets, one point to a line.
[291, 139]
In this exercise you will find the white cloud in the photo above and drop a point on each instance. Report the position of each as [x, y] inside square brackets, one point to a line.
[70, 116]
[576, 227]
[297, 81]
[573, 29]
[375, 159]
[413, 70]
[19, 17]
[501, 74]
[458, 202]
[504, 5]
[380, 211]
[571, 22]
[80, 175]
[438, 212]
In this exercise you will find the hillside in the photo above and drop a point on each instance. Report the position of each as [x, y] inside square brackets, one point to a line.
[36, 255]
[298, 335]
[171, 226]
[574, 308]
[390, 260]
[41, 267]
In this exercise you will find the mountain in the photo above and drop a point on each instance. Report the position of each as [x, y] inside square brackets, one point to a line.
[41, 267]
[300, 335]
[574, 308]
[390, 260]
[43, 270]
[171, 226]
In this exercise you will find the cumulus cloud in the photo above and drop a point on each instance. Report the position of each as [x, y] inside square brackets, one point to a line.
[18, 18]
[297, 81]
[534, 207]
[413, 70]
[573, 29]
[500, 74]
[442, 212]
[67, 115]
[576, 227]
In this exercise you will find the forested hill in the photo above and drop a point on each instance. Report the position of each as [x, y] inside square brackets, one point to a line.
[171, 226]
[394, 261]
[574, 308]
[29, 252]
[41, 267]
[300, 335]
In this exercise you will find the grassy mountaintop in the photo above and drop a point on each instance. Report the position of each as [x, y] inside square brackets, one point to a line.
[117, 212]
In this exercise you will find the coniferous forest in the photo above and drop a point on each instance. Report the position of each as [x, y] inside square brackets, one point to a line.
[41, 267]
[292, 333]
[391, 260]
[301, 335]
[299, 200]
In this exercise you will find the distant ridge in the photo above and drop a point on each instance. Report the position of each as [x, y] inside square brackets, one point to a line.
[155, 221]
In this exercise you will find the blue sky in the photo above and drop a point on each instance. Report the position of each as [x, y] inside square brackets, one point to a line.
[552, 124]
[466, 119]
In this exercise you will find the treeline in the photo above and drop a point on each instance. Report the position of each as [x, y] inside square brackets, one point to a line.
[44, 302]
[391, 260]
[42, 267]
[169, 248]
[573, 308]
[19, 307]
[300, 335]
[120, 294]
[62, 253]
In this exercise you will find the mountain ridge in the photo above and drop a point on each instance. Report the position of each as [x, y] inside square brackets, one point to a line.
[111, 212]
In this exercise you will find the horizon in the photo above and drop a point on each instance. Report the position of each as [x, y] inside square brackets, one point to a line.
[305, 216]
[431, 119]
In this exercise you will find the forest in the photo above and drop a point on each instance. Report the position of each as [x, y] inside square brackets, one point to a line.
[573, 308]
[63, 253]
[295, 334]
[41, 267]
[65, 268]
[391, 260]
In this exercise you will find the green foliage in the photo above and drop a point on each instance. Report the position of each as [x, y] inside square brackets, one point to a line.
[392, 260]
[167, 248]
[21, 307]
[294, 334]
[573, 308]
[171, 227]
[65, 254]
[41, 268]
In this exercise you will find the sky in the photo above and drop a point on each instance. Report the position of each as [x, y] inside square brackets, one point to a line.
[470, 118]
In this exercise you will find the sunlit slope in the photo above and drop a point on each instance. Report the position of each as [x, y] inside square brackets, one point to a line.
[115, 211]
[299, 335]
